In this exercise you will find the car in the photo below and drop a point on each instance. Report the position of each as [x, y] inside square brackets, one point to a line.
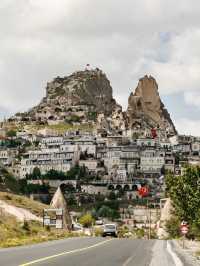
[77, 227]
[99, 222]
[109, 230]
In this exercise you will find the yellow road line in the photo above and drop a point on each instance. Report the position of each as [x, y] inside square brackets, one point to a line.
[64, 253]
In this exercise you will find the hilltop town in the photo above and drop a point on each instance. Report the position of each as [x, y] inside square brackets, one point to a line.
[80, 139]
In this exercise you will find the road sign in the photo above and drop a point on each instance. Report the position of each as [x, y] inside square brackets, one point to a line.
[184, 229]
[53, 217]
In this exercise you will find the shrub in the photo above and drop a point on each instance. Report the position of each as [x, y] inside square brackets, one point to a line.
[98, 231]
[86, 220]
[173, 227]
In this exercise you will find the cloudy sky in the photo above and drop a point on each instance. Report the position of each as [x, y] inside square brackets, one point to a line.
[41, 39]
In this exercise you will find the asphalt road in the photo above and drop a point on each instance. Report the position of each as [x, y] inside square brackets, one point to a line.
[92, 252]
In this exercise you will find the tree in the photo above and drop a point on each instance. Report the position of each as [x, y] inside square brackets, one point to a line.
[105, 211]
[36, 174]
[71, 200]
[11, 133]
[86, 220]
[184, 192]
[173, 227]
[112, 195]
[54, 175]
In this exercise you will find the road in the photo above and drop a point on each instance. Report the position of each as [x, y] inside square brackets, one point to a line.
[92, 252]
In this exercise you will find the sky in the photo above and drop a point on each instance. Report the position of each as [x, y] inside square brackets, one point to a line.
[42, 39]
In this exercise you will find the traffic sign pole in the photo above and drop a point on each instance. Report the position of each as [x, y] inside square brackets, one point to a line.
[184, 230]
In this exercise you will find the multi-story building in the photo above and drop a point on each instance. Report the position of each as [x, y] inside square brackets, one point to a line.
[7, 156]
[51, 142]
[195, 148]
[46, 160]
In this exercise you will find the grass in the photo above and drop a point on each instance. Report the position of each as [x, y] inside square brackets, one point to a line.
[14, 233]
[23, 202]
[62, 127]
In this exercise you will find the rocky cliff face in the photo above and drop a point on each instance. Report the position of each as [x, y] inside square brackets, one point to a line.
[79, 97]
[86, 96]
[146, 109]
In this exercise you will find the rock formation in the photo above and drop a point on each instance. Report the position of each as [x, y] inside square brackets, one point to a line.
[58, 202]
[87, 96]
[146, 109]
[78, 97]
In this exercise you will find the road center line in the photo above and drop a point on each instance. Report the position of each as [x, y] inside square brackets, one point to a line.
[175, 258]
[64, 253]
[128, 261]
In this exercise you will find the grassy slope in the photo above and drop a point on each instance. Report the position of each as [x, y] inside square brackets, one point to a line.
[61, 127]
[15, 233]
[23, 202]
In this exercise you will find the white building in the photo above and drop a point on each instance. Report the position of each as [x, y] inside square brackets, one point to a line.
[7, 156]
[46, 160]
[51, 142]
[151, 164]
[146, 142]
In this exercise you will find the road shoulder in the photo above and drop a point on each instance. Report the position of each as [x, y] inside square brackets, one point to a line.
[185, 254]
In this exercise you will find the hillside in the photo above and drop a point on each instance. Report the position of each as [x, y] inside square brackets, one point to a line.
[15, 231]
[33, 206]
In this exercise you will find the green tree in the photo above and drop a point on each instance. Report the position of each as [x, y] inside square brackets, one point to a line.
[112, 195]
[173, 227]
[184, 192]
[11, 133]
[36, 174]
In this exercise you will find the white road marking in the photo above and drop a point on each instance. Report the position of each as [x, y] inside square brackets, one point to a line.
[175, 258]
[128, 260]
[64, 253]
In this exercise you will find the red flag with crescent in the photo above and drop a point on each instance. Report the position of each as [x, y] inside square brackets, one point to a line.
[143, 191]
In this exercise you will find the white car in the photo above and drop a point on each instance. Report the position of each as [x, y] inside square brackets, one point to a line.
[77, 227]
[109, 230]
[99, 222]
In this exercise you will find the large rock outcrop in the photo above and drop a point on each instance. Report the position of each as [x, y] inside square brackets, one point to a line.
[146, 109]
[87, 96]
[79, 97]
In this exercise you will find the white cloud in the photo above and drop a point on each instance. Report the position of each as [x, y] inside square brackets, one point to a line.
[41, 39]
[188, 127]
[181, 71]
[192, 98]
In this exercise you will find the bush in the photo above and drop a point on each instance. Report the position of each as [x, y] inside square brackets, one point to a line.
[11, 133]
[86, 220]
[140, 233]
[173, 227]
[122, 231]
[98, 231]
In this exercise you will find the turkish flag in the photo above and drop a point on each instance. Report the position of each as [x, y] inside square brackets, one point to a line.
[153, 133]
[143, 191]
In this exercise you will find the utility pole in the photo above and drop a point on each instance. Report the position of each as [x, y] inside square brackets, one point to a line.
[149, 223]
[149, 219]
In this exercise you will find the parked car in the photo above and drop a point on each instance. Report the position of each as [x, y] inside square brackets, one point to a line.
[99, 222]
[109, 230]
[77, 227]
